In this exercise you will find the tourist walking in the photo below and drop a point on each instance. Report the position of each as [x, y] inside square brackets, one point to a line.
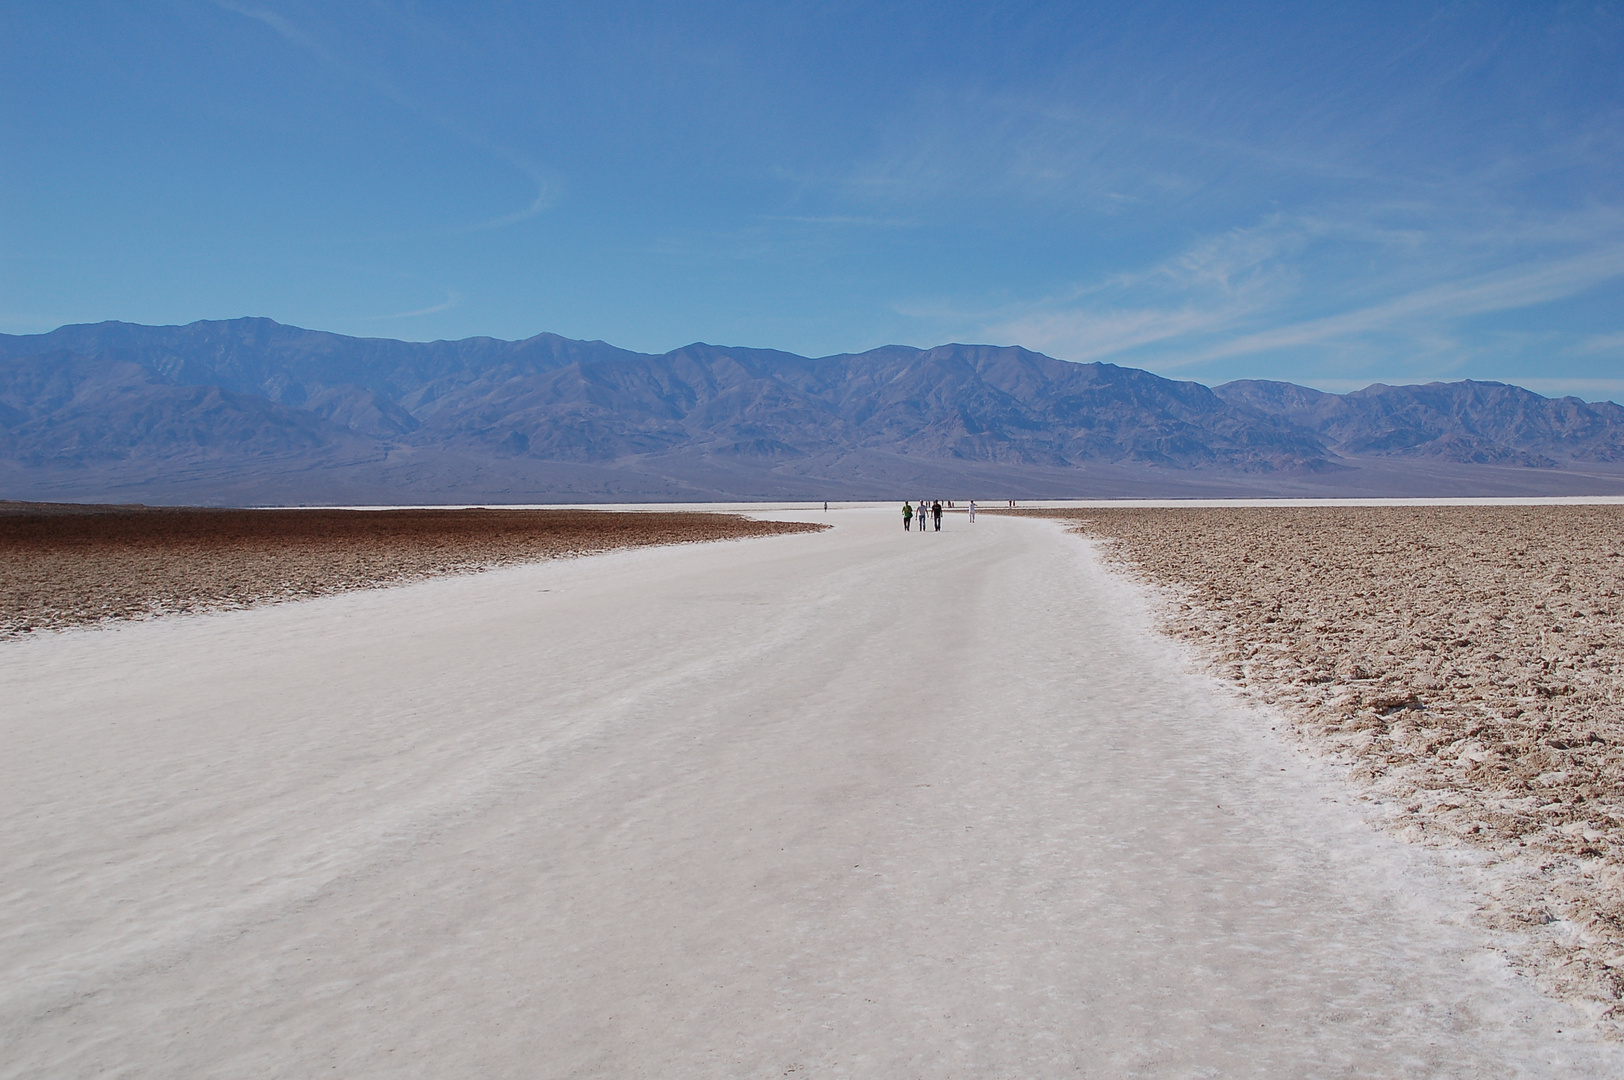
[907, 516]
[936, 512]
[972, 511]
[924, 512]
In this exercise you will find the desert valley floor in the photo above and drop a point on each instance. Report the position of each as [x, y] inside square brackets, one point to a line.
[854, 803]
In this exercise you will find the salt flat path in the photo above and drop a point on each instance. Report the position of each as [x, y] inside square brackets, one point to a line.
[861, 803]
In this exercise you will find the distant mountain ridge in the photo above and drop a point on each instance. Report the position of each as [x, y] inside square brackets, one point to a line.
[251, 409]
[1466, 422]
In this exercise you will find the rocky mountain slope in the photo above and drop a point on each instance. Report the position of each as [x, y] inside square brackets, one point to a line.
[250, 409]
[1476, 422]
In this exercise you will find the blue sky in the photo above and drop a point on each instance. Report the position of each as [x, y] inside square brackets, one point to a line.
[1393, 193]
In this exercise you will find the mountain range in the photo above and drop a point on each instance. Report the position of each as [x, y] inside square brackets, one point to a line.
[253, 411]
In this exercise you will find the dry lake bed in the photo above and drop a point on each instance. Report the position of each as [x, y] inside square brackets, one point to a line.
[853, 802]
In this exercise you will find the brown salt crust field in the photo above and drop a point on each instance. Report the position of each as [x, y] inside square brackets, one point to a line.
[1466, 662]
[70, 565]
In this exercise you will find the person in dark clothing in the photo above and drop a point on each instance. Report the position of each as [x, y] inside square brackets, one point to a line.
[936, 512]
[907, 516]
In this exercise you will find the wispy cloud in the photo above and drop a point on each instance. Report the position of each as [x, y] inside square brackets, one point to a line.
[1601, 343]
[1085, 336]
[1213, 286]
[541, 202]
[276, 22]
[1371, 239]
[313, 45]
[1265, 290]
[452, 300]
[1082, 149]
[857, 221]
[1502, 291]
[966, 145]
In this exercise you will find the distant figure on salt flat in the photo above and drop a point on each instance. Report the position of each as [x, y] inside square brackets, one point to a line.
[936, 512]
[907, 516]
[972, 510]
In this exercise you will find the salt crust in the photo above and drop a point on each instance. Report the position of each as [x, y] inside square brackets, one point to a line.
[1466, 665]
